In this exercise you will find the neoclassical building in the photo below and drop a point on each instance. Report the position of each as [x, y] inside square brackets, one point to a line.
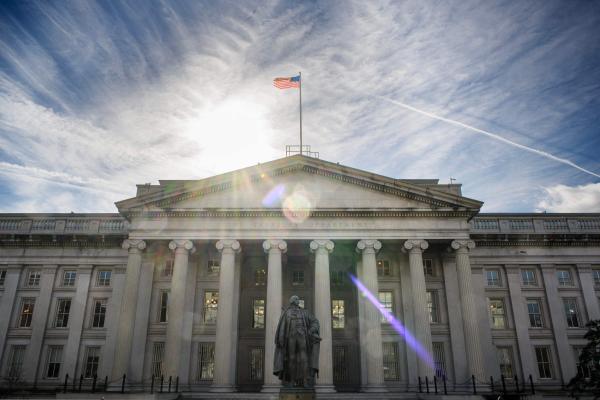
[407, 278]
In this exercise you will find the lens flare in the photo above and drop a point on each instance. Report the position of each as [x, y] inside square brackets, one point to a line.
[297, 206]
[274, 197]
[397, 325]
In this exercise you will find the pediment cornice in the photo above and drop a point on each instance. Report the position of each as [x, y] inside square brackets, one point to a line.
[171, 193]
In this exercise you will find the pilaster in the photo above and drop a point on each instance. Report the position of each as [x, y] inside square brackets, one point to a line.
[589, 294]
[7, 301]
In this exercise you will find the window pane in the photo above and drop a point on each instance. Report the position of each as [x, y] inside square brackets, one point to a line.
[497, 312]
[164, 306]
[103, 278]
[33, 279]
[256, 364]
[211, 304]
[2, 276]
[572, 313]
[259, 314]
[535, 313]
[544, 362]
[27, 306]
[69, 278]
[493, 277]
[99, 313]
[17, 355]
[432, 306]
[505, 361]
[206, 361]
[439, 359]
[338, 318]
[54, 361]
[385, 298]
[92, 359]
[157, 359]
[564, 277]
[260, 277]
[391, 370]
[528, 277]
[383, 268]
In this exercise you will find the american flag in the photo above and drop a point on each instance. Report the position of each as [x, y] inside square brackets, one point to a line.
[287, 83]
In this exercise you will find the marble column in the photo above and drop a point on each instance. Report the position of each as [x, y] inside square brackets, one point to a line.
[76, 320]
[589, 291]
[39, 320]
[274, 249]
[421, 314]
[469, 311]
[225, 363]
[7, 302]
[371, 340]
[519, 309]
[176, 306]
[566, 358]
[128, 307]
[322, 248]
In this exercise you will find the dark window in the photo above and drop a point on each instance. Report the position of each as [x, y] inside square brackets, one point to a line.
[535, 313]
[256, 364]
[27, 306]
[103, 278]
[164, 306]
[158, 354]
[99, 313]
[258, 316]
[297, 278]
[572, 313]
[391, 370]
[206, 361]
[544, 362]
[260, 277]
[92, 359]
[69, 278]
[383, 268]
[428, 267]
[54, 361]
[63, 308]
[33, 279]
[211, 306]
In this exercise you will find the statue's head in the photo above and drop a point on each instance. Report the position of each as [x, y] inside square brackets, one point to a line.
[295, 300]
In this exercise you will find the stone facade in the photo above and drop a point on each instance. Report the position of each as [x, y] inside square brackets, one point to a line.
[189, 278]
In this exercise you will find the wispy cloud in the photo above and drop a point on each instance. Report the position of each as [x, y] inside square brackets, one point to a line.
[95, 97]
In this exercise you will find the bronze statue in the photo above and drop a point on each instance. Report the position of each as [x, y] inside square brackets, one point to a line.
[297, 339]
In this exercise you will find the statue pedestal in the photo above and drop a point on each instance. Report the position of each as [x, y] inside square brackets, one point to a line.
[296, 394]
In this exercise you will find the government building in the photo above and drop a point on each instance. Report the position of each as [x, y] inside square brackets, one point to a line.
[188, 280]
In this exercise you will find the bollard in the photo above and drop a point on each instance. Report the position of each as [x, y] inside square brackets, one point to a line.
[445, 388]
[435, 383]
[177, 384]
[517, 383]
[531, 383]
[152, 385]
[106, 383]
[503, 384]
[94, 383]
[162, 380]
[170, 378]
[80, 382]
[474, 387]
[427, 384]
[66, 382]
[123, 384]
[492, 383]
[420, 388]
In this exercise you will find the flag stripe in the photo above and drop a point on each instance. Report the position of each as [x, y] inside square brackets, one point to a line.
[287, 82]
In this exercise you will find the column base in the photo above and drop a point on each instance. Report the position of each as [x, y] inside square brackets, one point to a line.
[222, 388]
[324, 388]
[375, 388]
[271, 388]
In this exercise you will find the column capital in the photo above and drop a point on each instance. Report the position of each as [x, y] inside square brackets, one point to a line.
[462, 244]
[368, 245]
[416, 245]
[316, 245]
[274, 244]
[133, 245]
[182, 244]
[228, 244]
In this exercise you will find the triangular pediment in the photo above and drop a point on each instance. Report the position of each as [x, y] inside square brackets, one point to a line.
[299, 182]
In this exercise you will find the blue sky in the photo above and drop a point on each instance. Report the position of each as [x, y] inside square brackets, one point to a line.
[98, 96]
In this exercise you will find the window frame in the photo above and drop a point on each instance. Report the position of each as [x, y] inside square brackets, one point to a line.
[529, 283]
[540, 313]
[496, 316]
[509, 353]
[497, 280]
[433, 306]
[561, 281]
[163, 306]
[256, 313]
[574, 319]
[549, 364]
[206, 307]
[27, 315]
[384, 268]
[102, 281]
[62, 313]
[206, 362]
[158, 357]
[298, 273]
[71, 281]
[338, 315]
[90, 368]
[384, 304]
[36, 280]
[3, 274]
[99, 314]
[53, 360]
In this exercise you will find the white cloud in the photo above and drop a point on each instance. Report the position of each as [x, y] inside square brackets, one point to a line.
[567, 199]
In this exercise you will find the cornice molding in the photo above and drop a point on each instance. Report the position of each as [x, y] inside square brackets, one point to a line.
[231, 180]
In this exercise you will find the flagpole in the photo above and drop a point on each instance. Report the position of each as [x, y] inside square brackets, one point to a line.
[300, 91]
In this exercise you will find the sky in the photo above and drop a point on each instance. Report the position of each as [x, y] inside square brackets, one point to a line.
[96, 97]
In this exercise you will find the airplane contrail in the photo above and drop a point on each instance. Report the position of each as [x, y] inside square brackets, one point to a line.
[492, 135]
